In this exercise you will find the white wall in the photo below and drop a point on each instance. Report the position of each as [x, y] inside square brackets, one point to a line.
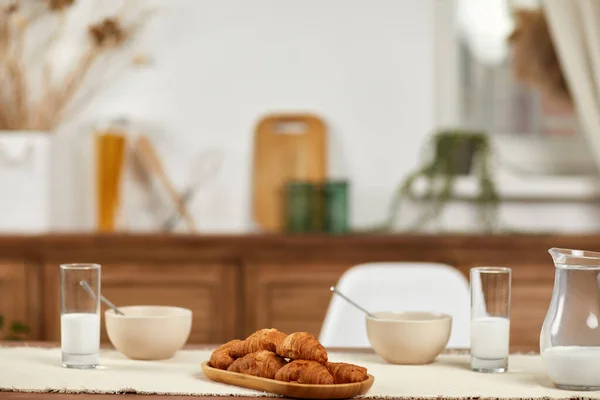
[367, 67]
[382, 73]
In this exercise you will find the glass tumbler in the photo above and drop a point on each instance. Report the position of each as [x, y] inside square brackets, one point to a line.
[302, 204]
[111, 147]
[80, 315]
[490, 318]
[336, 207]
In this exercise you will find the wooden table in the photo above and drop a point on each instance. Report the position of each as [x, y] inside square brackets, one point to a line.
[81, 396]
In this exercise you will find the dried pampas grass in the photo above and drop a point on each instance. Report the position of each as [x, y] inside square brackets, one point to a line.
[535, 61]
[23, 106]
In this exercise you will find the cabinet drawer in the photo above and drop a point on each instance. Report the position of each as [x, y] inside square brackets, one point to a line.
[20, 297]
[209, 290]
[289, 296]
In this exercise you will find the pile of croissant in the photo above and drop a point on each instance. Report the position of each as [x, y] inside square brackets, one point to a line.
[298, 357]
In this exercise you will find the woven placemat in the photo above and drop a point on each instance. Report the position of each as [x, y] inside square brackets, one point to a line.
[29, 369]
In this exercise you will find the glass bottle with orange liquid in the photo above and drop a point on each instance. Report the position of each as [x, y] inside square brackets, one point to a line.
[110, 144]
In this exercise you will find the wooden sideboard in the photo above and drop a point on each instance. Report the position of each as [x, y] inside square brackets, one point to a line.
[237, 284]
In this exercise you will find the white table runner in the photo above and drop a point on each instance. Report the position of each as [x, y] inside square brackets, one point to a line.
[29, 369]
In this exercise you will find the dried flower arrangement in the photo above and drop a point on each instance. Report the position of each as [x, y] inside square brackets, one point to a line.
[46, 103]
[535, 61]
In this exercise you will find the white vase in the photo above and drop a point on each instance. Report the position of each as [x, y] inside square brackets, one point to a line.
[25, 182]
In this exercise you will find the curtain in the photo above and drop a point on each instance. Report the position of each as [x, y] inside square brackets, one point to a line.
[574, 26]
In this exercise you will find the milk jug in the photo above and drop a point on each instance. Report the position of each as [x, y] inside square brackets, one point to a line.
[570, 336]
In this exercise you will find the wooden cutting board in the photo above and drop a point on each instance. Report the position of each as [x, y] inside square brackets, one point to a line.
[286, 147]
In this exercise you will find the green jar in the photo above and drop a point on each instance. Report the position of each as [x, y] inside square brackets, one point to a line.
[302, 201]
[335, 207]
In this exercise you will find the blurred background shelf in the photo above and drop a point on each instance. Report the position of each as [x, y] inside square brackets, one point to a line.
[536, 188]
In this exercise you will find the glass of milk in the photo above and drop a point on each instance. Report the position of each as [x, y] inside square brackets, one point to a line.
[490, 318]
[80, 315]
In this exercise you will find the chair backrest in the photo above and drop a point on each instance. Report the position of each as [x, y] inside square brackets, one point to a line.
[397, 286]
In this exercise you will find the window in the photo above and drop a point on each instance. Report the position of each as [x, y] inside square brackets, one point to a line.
[494, 100]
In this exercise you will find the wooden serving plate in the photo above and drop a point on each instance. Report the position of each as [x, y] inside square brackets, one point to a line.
[296, 390]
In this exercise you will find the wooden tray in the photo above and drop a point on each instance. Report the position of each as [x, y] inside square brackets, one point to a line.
[296, 390]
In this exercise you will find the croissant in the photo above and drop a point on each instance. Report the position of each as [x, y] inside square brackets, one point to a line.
[304, 371]
[346, 373]
[264, 339]
[223, 357]
[302, 346]
[264, 364]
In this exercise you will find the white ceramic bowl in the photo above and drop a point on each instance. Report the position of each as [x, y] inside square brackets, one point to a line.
[149, 332]
[409, 337]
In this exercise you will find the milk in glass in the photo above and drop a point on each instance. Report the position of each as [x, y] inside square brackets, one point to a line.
[573, 365]
[80, 333]
[490, 337]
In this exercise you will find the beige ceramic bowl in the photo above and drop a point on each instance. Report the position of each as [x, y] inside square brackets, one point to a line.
[409, 337]
[149, 332]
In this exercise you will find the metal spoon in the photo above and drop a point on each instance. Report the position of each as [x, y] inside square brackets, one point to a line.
[334, 290]
[88, 289]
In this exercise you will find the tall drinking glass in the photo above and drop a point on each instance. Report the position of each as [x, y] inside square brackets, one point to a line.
[80, 315]
[111, 144]
[490, 318]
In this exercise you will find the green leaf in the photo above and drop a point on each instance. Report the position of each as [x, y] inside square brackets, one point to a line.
[19, 327]
[1, 321]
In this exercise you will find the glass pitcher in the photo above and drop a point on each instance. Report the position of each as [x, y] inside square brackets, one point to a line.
[570, 337]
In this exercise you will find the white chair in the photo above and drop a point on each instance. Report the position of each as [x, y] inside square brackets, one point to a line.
[397, 286]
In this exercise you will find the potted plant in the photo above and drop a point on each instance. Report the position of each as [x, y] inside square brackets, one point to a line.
[16, 330]
[455, 153]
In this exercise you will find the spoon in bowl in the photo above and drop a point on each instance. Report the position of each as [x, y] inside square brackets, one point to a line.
[334, 290]
[88, 289]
